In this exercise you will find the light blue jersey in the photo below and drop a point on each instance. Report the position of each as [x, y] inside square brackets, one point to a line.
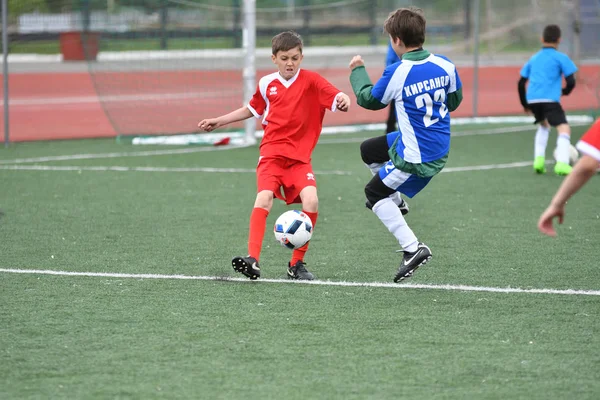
[420, 89]
[545, 70]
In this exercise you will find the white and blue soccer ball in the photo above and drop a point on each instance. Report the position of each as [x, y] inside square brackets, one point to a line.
[293, 229]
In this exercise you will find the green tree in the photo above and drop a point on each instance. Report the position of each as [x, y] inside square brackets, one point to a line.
[18, 7]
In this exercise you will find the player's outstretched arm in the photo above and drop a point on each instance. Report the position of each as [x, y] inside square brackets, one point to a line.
[356, 61]
[585, 168]
[210, 124]
[362, 86]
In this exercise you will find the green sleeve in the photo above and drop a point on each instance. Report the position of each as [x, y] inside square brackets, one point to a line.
[454, 99]
[362, 86]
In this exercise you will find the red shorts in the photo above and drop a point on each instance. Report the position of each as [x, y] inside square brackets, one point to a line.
[284, 175]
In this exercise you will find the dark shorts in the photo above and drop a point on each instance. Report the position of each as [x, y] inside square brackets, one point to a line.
[552, 112]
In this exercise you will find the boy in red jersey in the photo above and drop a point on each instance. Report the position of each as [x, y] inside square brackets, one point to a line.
[292, 104]
[586, 167]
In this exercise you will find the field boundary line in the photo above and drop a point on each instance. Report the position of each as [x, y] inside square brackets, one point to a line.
[93, 156]
[463, 288]
[68, 168]
[517, 164]
[145, 169]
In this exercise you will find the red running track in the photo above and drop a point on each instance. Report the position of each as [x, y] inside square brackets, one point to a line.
[45, 106]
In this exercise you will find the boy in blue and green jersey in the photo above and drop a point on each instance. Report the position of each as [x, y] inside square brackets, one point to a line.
[545, 71]
[424, 89]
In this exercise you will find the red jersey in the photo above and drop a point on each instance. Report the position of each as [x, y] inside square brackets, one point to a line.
[292, 112]
[590, 141]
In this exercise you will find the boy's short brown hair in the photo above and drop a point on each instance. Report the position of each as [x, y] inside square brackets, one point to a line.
[551, 34]
[286, 41]
[407, 24]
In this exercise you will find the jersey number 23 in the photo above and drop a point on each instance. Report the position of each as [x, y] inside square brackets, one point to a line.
[425, 100]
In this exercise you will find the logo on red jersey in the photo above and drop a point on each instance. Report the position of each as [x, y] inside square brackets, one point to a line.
[310, 177]
[273, 90]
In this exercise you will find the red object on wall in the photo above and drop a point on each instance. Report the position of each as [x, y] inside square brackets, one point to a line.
[76, 45]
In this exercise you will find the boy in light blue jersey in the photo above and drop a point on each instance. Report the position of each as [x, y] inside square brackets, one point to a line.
[545, 71]
[425, 88]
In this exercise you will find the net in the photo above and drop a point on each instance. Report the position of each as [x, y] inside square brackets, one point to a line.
[195, 69]
[159, 66]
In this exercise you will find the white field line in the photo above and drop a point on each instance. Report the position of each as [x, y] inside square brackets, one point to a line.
[462, 288]
[488, 167]
[518, 164]
[145, 169]
[95, 156]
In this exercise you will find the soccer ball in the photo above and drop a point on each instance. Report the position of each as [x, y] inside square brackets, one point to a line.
[573, 155]
[293, 229]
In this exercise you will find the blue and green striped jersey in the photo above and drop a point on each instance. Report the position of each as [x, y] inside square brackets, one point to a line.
[420, 88]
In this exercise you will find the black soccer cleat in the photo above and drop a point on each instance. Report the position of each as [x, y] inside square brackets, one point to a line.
[412, 261]
[248, 266]
[299, 271]
[402, 206]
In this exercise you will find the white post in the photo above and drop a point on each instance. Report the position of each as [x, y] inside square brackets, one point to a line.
[489, 21]
[475, 56]
[249, 74]
[576, 23]
[290, 9]
[537, 14]
[5, 68]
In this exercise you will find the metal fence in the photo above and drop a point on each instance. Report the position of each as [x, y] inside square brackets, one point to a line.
[182, 47]
[504, 23]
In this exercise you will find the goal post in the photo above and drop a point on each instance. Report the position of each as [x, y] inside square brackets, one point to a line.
[249, 71]
[6, 125]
